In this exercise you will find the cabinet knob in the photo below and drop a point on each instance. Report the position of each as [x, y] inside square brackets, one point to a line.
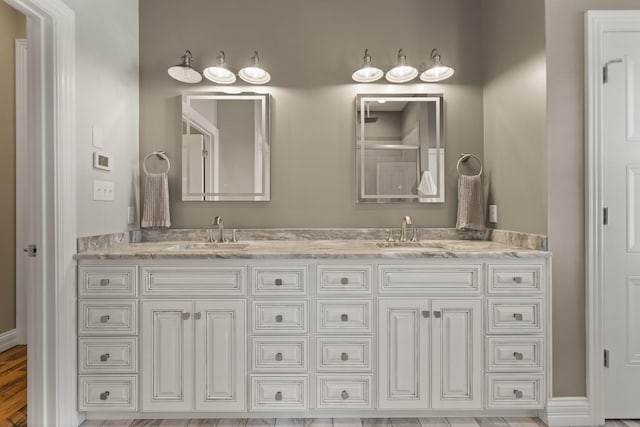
[344, 281]
[278, 282]
[344, 317]
[186, 316]
[517, 393]
[437, 314]
[104, 357]
[279, 318]
[104, 395]
[279, 357]
[104, 282]
[105, 318]
[517, 355]
[278, 396]
[344, 394]
[426, 314]
[517, 316]
[344, 356]
[517, 279]
[197, 316]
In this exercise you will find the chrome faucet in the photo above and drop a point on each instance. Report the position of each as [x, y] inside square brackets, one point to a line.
[218, 221]
[403, 228]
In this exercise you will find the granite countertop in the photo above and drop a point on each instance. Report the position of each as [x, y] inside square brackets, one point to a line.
[312, 249]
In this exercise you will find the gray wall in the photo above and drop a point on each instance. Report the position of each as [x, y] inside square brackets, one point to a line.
[310, 48]
[107, 97]
[565, 141]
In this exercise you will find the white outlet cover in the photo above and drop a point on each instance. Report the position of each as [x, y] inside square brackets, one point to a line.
[493, 214]
[131, 215]
[96, 137]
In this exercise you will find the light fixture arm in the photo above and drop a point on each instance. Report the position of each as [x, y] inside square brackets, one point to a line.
[187, 58]
[435, 56]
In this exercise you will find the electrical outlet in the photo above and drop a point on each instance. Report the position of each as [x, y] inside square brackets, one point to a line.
[103, 190]
[131, 215]
[493, 214]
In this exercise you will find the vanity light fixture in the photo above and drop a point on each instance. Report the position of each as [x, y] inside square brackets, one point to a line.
[220, 73]
[184, 72]
[438, 70]
[402, 72]
[254, 73]
[367, 73]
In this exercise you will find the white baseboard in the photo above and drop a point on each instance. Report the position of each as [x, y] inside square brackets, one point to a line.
[567, 411]
[8, 339]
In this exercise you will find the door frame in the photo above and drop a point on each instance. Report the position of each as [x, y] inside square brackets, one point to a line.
[51, 361]
[23, 184]
[597, 23]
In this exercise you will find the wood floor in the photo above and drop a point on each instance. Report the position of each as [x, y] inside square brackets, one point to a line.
[13, 387]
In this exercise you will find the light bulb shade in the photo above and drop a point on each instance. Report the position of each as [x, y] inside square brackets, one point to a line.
[220, 73]
[438, 70]
[402, 72]
[367, 73]
[184, 72]
[254, 73]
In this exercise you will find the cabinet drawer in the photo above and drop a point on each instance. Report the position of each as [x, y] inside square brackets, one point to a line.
[279, 317]
[279, 280]
[279, 354]
[344, 316]
[417, 279]
[108, 355]
[343, 391]
[278, 393]
[108, 317]
[108, 393]
[344, 279]
[515, 354]
[344, 354]
[515, 391]
[97, 281]
[515, 316]
[188, 281]
[519, 279]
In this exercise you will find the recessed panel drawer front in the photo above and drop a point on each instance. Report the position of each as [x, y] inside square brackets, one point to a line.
[189, 281]
[108, 317]
[344, 354]
[274, 281]
[276, 393]
[515, 354]
[344, 391]
[517, 391]
[518, 279]
[344, 316]
[279, 354]
[108, 393]
[515, 316]
[417, 280]
[336, 279]
[108, 355]
[97, 281]
[280, 317]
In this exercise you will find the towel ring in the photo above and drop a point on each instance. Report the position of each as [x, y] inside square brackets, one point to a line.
[463, 158]
[159, 154]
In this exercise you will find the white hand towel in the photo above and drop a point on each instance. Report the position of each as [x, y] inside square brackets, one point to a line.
[156, 201]
[470, 206]
[427, 186]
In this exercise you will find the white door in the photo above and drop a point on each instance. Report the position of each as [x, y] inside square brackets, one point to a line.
[404, 353]
[621, 129]
[456, 354]
[167, 356]
[220, 355]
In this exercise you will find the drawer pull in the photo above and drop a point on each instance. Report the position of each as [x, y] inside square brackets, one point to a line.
[197, 316]
[344, 317]
[105, 318]
[279, 356]
[186, 316]
[437, 314]
[517, 355]
[344, 281]
[517, 279]
[278, 396]
[344, 356]
[518, 394]
[104, 395]
[278, 282]
[517, 316]
[344, 395]
[279, 318]
[104, 357]
[104, 282]
[426, 314]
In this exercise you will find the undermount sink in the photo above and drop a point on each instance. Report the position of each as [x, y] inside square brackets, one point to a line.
[204, 246]
[419, 245]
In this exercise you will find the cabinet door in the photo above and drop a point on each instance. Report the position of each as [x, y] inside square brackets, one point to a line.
[220, 355]
[456, 354]
[404, 353]
[167, 356]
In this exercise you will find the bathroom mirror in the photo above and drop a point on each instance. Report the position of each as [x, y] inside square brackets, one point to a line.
[225, 147]
[399, 148]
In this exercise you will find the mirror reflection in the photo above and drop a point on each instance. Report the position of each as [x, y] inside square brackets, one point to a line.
[400, 148]
[225, 147]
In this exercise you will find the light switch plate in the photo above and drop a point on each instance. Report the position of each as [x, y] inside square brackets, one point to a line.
[493, 214]
[103, 190]
[96, 137]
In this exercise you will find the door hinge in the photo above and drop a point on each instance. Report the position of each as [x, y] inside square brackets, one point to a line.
[606, 358]
[605, 216]
[605, 69]
[31, 250]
